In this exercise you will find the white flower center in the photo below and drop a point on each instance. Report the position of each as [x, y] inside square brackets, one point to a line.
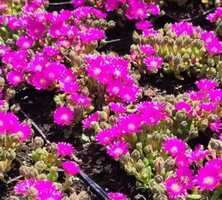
[175, 187]
[64, 117]
[209, 180]
[118, 151]
[174, 149]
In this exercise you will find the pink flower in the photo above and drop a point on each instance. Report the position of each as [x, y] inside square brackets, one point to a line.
[175, 188]
[24, 131]
[137, 10]
[78, 3]
[117, 107]
[87, 123]
[147, 49]
[185, 175]
[153, 63]
[208, 107]
[216, 126]
[24, 42]
[44, 189]
[14, 78]
[182, 105]
[117, 149]
[63, 115]
[35, 28]
[90, 35]
[143, 25]
[111, 5]
[183, 28]
[3, 123]
[216, 15]
[85, 11]
[106, 136]
[198, 154]
[206, 85]
[174, 146]
[70, 168]
[54, 71]
[116, 196]
[207, 178]
[182, 161]
[64, 149]
[39, 81]
[153, 9]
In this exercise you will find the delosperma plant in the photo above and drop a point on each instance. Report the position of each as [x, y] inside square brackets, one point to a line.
[170, 143]
[216, 17]
[176, 49]
[141, 135]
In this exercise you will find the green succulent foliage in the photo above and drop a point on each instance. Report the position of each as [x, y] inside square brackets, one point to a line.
[184, 54]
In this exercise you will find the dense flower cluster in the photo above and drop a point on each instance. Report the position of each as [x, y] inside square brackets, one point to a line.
[113, 73]
[216, 17]
[38, 189]
[147, 114]
[133, 9]
[178, 48]
[206, 178]
[11, 126]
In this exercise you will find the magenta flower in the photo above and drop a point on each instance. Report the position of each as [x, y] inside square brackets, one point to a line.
[207, 178]
[174, 146]
[147, 49]
[64, 149]
[216, 126]
[106, 136]
[24, 131]
[144, 25]
[117, 149]
[153, 9]
[117, 107]
[87, 123]
[153, 63]
[198, 154]
[216, 15]
[3, 123]
[84, 12]
[14, 78]
[116, 196]
[185, 175]
[89, 35]
[206, 84]
[113, 73]
[35, 28]
[183, 28]
[175, 188]
[70, 168]
[182, 161]
[39, 81]
[24, 42]
[137, 10]
[45, 189]
[182, 105]
[78, 3]
[63, 115]
[208, 107]
[111, 5]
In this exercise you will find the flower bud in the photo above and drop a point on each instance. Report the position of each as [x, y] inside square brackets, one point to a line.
[40, 166]
[135, 155]
[38, 142]
[139, 165]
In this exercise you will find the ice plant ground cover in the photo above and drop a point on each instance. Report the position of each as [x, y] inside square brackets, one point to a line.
[72, 102]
